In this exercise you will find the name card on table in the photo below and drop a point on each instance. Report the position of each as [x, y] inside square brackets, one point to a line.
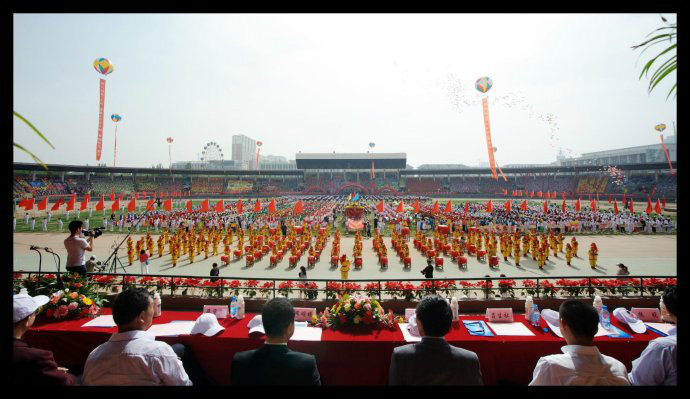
[221, 311]
[647, 314]
[409, 313]
[499, 314]
[304, 314]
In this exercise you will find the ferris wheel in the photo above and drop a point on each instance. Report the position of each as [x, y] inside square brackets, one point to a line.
[211, 153]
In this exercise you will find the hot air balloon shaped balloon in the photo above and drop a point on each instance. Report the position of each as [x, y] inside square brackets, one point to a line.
[104, 67]
[373, 175]
[170, 140]
[116, 118]
[660, 128]
[483, 85]
[258, 144]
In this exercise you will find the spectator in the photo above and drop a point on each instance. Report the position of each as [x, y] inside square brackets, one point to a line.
[215, 271]
[581, 363]
[302, 272]
[433, 361]
[622, 270]
[428, 271]
[132, 356]
[90, 264]
[657, 364]
[144, 261]
[33, 366]
[274, 363]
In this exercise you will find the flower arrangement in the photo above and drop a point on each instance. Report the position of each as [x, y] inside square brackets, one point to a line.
[190, 282]
[266, 289]
[548, 288]
[234, 286]
[310, 290]
[466, 287]
[373, 289]
[506, 287]
[486, 286]
[251, 289]
[77, 298]
[531, 287]
[332, 289]
[354, 310]
[43, 284]
[572, 287]
[284, 288]
[214, 288]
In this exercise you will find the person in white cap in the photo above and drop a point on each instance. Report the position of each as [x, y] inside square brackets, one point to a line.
[657, 365]
[132, 356]
[581, 362]
[33, 366]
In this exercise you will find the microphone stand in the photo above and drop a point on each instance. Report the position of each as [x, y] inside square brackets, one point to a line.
[40, 258]
[59, 278]
[113, 261]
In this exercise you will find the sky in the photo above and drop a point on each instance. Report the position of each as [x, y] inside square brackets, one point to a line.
[336, 82]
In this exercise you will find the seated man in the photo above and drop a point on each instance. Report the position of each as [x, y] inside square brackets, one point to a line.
[657, 364]
[132, 356]
[433, 361]
[33, 366]
[581, 363]
[274, 363]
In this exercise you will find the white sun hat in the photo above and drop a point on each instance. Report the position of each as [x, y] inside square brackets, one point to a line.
[256, 326]
[25, 305]
[553, 319]
[208, 325]
[624, 316]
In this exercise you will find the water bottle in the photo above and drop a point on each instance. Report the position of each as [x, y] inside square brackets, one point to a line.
[455, 308]
[529, 304]
[23, 291]
[662, 307]
[597, 303]
[157, 304]
[535, 316]
[605, 318]
[240, 307]
[233, 307]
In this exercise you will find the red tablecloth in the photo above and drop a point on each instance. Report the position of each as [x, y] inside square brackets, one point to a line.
[354, 356]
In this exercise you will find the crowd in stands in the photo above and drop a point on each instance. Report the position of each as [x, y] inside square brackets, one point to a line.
[592, 184]
[424, 186]
[133, 356]
[206, 185]
[24, 186]
[106, 185]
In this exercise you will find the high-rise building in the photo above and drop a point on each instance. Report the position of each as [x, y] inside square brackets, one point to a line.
[244, 150]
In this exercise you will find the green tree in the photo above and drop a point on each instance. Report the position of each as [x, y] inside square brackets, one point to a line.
[665, 34]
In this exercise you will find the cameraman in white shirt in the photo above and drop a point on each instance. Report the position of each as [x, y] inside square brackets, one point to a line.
[581, 362]
[75, 246]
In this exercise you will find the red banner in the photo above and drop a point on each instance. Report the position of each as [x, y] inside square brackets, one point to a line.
[99, 143]
[487, 129]
[666, 153]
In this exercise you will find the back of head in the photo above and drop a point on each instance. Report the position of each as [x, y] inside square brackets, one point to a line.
[581, 318]
[276, 316]
[435, 315]
[671, 300]
[129, 304]
[74, 225]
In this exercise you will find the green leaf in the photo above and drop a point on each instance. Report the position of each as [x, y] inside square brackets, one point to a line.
[660, 78]
[662, 68]
[35, 158]
[34, 128]
[672, 90]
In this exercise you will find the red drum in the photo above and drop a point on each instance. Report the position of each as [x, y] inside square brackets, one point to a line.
[462, 261]
[439, 262]
[384, 262]
[273, 260]
[407, 262]
[482, 255]
[358, 262]
[493, 261]
[238, 253]
[472, 249]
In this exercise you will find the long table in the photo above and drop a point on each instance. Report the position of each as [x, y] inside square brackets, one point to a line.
[355, 356]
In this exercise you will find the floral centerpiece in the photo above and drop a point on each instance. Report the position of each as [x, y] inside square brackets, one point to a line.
[354, 309]
[77, 298]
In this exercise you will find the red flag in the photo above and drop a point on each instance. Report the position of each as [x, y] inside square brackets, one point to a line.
[189, 205]
[507, 206]
[631, 206]
[539, 194]
[563, 195]
[272, 207]
[449, 207]
[609, 198]
[663, 201]
[56, 206]
[99, 205]
[167, 205]
[239, 207]
[435, 210]
[649, 206]
[416, 206]
[467, 207]
[43, 204]
[132, 205]
[505, 192]
[531, 194]
[624, 200]
[563, 206]
[257, 206]
[84, 202]
[593, 205]
[548, 195]
[298, 208]
[149, 204]
[136, 196]
[379, 206]
[70, 204]
[615, 207]
[657, 207]
[204, 205]
[489, 207]
[112, 196]
[22, 203]
[523, 206]
[546, 209]
[577, 205]
[29, 205]
[220, 206]
[114, 207]
[400, 207]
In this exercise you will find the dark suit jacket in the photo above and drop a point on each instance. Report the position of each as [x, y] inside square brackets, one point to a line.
[274, 365]
[433, 362]
[33, 366]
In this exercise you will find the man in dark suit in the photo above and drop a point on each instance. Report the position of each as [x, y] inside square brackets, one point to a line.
[433, 361]
[33, 366]
[274, 363]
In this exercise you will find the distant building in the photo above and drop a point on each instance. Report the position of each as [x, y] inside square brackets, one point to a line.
[276, 162]
[652, 153]
[244, 151]
[443, 166]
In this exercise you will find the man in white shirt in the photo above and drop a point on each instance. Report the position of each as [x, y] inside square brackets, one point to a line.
[132, 356]
[657, 365]
[581, 362]
[75, 246]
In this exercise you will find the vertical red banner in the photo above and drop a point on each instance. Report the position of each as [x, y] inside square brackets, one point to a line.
[487, 128]
[666, 153]
[99, 144]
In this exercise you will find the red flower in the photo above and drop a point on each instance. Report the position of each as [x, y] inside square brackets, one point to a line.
[267, 285]
[49, 313]
[342, 318]
[252, 283]
[285, 285]
[529, 284]
[466, 284]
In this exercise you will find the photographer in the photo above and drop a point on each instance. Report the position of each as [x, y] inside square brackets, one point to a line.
[75, 246]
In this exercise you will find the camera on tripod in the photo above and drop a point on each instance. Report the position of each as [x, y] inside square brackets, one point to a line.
[96, 232]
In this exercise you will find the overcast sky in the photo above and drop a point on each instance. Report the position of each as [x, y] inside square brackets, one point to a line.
[324, 83]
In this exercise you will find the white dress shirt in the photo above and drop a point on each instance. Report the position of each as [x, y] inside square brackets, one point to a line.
[579, 365]
[657, 363]
[134, 358]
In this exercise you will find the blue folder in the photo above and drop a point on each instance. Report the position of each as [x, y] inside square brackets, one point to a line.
[619, 333]
[477, 328]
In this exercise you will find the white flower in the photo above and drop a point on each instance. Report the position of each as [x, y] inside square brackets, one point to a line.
[346, 307]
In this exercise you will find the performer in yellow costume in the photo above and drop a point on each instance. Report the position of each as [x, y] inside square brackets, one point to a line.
[574, 244]
[568, 253]
[516, 252]
[344, 268]
[593, 254]
[160, 246]
[561, 238]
